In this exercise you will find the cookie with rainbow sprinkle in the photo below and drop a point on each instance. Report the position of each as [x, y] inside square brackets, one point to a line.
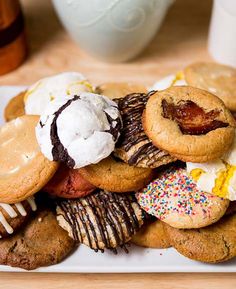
[174, 198]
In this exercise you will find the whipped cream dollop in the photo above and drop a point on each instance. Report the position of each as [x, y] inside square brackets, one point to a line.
[170, 80]
[80, 131]
[217, 177]
[46, 90]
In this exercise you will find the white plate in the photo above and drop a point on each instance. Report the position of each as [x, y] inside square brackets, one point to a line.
[85, 260]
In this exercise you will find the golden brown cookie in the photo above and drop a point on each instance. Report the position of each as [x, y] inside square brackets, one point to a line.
[15, 108]
[133, 146]
[24, 170]
[191, 124]
[116, 176]
[212, 244]
[41, 243]
[13, 217]
[102, 220]
[151, 235]
[119, 89]
[216, 78]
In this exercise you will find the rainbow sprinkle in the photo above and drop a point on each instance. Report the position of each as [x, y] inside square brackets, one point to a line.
[174, 192]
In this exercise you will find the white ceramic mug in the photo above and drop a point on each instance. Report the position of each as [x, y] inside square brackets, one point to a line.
[222, 36]
[112, 30]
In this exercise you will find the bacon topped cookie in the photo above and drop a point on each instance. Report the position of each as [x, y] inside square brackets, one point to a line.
[189, 123]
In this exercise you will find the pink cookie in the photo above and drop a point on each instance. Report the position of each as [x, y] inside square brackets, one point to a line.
[175, 199]
[68, 183]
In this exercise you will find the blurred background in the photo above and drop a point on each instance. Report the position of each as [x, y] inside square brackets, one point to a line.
[181, 39]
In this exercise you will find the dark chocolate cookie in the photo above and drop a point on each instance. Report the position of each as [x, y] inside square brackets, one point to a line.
[134, 147]
[41, 243]
[101, 220]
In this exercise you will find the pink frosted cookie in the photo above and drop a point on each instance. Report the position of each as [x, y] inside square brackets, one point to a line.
[175, 199]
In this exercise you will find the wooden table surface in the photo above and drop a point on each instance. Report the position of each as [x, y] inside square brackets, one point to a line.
[181, 40]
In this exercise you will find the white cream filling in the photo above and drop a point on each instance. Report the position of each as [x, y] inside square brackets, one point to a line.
[167, 81]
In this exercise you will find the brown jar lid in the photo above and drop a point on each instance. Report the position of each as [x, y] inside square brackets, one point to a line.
[12, 38]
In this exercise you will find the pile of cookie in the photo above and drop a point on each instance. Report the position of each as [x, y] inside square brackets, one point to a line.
[118, 163]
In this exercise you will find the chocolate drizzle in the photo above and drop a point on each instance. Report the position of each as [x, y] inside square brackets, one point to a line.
[133, 140]
[59, 152]
[115, 126]
[103, 219]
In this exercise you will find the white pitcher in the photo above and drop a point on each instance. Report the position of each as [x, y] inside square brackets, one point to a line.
[222, 36]
[112, 30]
